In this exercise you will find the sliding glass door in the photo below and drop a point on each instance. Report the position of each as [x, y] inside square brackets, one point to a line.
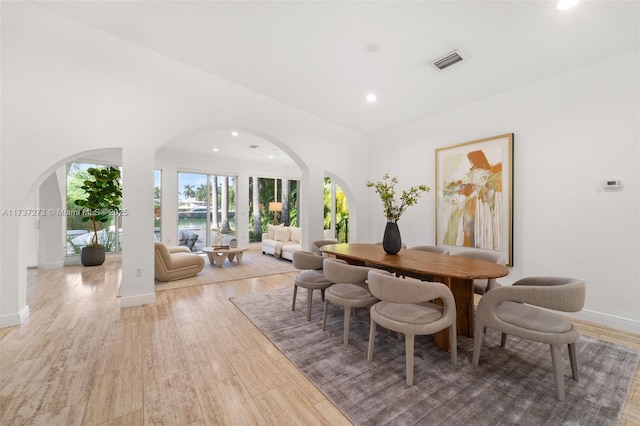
[206, 207]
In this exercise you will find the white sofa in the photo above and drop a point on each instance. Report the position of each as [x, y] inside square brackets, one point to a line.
[281, 241]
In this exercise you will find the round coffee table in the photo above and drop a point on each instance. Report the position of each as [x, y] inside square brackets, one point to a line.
[217, 256]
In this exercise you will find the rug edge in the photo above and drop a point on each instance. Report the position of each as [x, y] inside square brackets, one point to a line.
[214, 282]
[328, 398]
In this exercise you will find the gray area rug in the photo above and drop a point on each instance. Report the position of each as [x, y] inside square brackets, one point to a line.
[512, 385]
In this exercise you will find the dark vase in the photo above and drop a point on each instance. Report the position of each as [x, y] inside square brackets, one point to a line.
[92, 255]
[391, 242]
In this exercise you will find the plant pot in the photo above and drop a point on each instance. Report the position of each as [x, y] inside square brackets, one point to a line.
[92, 255]
[391, 242]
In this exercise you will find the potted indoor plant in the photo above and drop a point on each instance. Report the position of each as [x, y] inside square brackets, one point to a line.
[393, 208]
[103, 199]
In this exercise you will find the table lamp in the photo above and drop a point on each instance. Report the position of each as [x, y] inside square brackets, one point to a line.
[275, 207]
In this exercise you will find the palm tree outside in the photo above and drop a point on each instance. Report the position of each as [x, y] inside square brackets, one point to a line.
[189, 192]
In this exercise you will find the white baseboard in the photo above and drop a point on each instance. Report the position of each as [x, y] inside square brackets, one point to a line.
[14, 319]
[625, 324]
[52, 265]
[142, 299]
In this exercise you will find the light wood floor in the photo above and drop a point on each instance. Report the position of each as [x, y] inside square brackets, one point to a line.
[189, 359]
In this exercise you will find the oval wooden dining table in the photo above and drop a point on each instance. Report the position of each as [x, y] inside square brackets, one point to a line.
[456, 272]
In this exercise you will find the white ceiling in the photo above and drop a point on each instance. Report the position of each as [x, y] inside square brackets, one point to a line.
[244, 146]
[313, 55]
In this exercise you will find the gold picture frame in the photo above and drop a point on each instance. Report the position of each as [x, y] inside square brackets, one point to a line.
[474, 195]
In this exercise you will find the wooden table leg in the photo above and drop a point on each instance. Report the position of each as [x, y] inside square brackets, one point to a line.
[220, 258]
[462, 290]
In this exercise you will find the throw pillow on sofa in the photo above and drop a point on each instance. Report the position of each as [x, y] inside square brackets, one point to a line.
[282, 234]
[295, 234]
[271, 231]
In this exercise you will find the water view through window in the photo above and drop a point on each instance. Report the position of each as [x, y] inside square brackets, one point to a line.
[206, 208]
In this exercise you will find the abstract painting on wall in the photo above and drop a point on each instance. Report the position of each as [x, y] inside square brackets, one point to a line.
[474, 195]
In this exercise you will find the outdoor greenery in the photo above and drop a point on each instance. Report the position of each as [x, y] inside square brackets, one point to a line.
[156, 206]
[393, 208]
[342, 211]
[266, 193]
[75, 179]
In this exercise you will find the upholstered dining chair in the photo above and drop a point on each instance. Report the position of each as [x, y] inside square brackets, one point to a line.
[515, 310]
[316, 245]
[404, 307]
[432, 249]
[404, 245]
[481, 286]
[310, 277]
[349, 290]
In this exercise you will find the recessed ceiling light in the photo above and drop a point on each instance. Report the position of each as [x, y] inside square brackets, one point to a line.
[371, 97]
[234, 134]
[566, 4]
[215, 150]
[271, 157]
[373, 47]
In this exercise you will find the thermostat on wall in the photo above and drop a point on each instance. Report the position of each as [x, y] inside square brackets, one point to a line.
[612, 184]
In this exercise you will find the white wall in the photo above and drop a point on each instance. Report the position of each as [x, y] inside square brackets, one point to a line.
[572, 132]
[51, 244]
[68, 89]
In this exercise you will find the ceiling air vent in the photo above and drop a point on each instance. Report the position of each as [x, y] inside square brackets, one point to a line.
[254, 146]
[447, 60]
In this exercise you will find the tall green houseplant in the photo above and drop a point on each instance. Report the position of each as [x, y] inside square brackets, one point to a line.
[103, 200]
